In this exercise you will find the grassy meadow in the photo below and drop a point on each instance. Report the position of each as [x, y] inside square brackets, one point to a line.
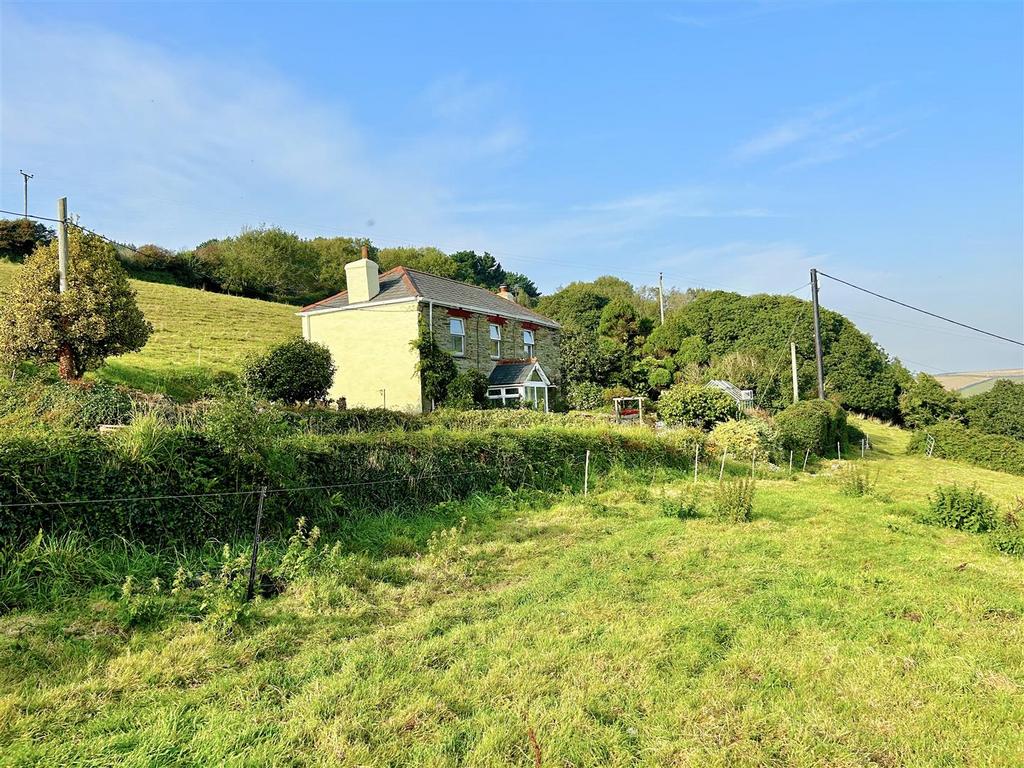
[548, 629]
[196, 335]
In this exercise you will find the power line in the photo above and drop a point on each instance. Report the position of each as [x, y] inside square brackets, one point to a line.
[923, 311]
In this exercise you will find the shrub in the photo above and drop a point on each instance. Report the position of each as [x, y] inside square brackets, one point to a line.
[814, 424]
[243, 426]
[733, 500]
[608, 395]
[295, 371]
[695, 405]
[659, 378]
[328, 421]
[378, 471]
[467, 390]
[584, 396]
[957, 442]
[744, 438]
[966, 509]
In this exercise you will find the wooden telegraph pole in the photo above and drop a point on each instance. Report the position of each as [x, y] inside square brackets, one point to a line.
[796, 380]
[26, 176]
[817, 334]
[661, 297]
[65, 358]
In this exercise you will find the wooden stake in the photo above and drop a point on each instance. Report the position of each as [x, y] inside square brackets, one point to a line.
[586, 476]
[807, 455]
[696, 458]
[250, 589]
[721, 471]
[839, 450]
[791, 462]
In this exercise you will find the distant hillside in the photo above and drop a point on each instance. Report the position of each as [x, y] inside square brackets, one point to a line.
[197, 335]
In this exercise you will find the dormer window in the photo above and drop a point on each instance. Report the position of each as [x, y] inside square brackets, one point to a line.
[495, 341]
[528, 343]
[457, 329]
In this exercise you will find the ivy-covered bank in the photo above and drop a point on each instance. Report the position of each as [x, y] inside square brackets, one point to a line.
[171, 485]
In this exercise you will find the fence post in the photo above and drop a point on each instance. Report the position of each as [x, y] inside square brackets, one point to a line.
[255, 546]
[721, 471]
[753, 460]
[807, 455]
[862, 447]
[696, 458]
[839, 450]
[586, 474]
[791, 461]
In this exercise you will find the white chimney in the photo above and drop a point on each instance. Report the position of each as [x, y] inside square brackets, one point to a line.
[362, 279]
[505, 293]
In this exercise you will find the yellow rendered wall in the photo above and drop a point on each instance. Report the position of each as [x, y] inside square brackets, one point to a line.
[372, 351]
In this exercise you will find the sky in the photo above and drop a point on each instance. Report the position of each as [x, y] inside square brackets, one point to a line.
[725, 145]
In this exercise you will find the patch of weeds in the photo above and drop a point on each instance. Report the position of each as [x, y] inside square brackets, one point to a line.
[593, 506]
[855, 479]
[686, 507]
[400, 546]
[965, 509]
[733, 500]
[1008, 535]
[444, 547]
[141, 606]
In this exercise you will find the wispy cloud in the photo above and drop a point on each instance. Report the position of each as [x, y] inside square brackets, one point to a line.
[690, 203]
[823, 133]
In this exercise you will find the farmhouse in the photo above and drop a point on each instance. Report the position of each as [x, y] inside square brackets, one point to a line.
[370, 329]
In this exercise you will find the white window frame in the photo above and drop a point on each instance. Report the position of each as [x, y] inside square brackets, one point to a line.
[494, 332]
[458, 350]
[529, 346]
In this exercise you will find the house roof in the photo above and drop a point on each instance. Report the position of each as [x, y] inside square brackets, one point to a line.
[510, 374]
[402, 283]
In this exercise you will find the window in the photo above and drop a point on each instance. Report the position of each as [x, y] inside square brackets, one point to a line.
[528, 343]
[457, 328]
[505, 397]
[495, 341]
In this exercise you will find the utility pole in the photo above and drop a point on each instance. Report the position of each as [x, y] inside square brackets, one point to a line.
[817, 334]
[27, 177]
[661, 297]
[62, 242]
[796, 380]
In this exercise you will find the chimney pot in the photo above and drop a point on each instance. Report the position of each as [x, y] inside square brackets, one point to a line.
[504, 292]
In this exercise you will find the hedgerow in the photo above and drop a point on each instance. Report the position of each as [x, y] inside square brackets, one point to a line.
[814, 424]
[156, 479]
[959, 443]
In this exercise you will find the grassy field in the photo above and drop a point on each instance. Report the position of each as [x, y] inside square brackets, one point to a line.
[196, 335]
[561, 631]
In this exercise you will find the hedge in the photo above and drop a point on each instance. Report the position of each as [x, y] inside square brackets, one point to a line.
[814, 424]
[433, 465]
[960, 443]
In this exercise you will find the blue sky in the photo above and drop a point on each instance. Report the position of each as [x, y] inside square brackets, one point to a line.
[727, 145]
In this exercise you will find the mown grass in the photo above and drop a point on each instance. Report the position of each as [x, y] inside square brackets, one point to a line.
[829, 630]
[196, 335]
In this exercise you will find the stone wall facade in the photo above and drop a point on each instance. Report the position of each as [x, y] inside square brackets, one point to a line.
[477, 353]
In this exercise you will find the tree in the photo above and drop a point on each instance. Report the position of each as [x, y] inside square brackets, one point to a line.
[927, 402]
[574, 306]
[999, 411]
[620, 321]
[266, 263]
[97, 317]
[429, 259]
[484, 271]
[294, 371]
[20, 237]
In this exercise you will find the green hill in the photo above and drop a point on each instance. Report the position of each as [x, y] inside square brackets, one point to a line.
[196, 335]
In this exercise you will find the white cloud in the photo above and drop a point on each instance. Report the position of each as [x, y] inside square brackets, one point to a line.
[151, 146]
[823, 133]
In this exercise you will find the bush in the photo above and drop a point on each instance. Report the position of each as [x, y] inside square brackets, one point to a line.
[744, 438]
[295, 371]
[376, 472]
[814, 424]
[957, 442]
[328, 421]
[695, 405]
[584, 396]
[467, 390]
[966, 509]
[733, 501]
[608, 395]
[686, 507]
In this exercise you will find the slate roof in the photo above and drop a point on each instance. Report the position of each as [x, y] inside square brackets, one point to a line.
[402, 283]
[511, 374]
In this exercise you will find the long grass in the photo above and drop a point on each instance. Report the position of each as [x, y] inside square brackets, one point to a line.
[829, 630]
